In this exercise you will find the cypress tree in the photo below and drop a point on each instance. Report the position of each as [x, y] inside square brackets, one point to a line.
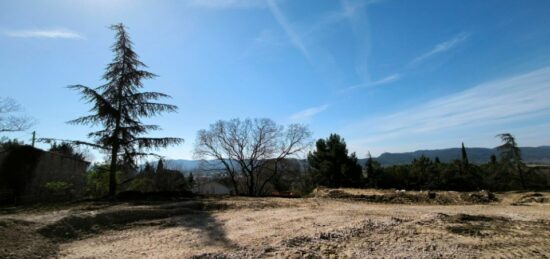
[465, 161]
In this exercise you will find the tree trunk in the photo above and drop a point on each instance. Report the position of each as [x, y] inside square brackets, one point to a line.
[233, 181]
[116, 146]
[275, 171]
[251, 185]
[112, 171]
[235, 185]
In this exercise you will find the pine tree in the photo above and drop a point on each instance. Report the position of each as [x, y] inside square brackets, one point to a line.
[333, 167]
[510, 154]
[119, 106]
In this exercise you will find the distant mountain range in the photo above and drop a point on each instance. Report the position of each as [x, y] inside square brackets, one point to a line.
[531, 155]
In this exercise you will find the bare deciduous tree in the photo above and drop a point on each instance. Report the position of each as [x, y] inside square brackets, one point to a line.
[251, 150]
[10, 119]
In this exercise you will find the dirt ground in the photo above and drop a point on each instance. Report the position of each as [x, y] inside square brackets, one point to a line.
[515, 225]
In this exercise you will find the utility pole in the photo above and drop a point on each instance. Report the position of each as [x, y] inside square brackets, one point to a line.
[33, 138]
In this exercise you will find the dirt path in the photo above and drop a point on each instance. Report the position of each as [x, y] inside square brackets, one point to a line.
[288, 228]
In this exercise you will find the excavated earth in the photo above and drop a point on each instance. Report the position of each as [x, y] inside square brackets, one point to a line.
[343, 223]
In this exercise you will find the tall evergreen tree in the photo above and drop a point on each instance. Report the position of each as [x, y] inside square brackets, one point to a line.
[119, 106]
[464, 156]
[510, 154]
[464, 163]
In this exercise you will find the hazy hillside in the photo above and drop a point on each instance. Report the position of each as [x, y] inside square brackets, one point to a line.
[531, 155]
[187, 166]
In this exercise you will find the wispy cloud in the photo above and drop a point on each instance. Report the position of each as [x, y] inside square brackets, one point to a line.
[350, 9]
[227, 4]
[265, 42]
[308, 113]
[442, 47]
[356, 13]
[386, 80]
[292, 35]
[504, 101]
[439, 48]
[44, 33]
[349, 12]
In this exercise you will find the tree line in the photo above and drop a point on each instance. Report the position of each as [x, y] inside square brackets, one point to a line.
[333, 167]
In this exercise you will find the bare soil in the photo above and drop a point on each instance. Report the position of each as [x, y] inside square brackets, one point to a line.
[351, 224]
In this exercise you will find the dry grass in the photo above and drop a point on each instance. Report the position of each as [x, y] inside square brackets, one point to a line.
[238, 227]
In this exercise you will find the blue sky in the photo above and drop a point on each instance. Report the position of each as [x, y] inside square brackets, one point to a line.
[387, 75]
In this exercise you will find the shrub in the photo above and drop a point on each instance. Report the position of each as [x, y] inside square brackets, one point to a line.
[58, 187]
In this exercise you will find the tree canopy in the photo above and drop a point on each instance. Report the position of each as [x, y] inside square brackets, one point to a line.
[251, 150]
[331, 164]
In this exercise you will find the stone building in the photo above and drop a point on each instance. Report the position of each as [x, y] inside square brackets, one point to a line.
[36, 172]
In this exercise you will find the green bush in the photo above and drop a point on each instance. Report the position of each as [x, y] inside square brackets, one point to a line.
[59, 190]
[142, 184]
[58, 187]
[97, 181]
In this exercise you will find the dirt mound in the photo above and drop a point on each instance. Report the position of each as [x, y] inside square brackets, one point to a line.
[409, 197]
[479, 197]
[19, 240]
[75, 226]
[532, 198]
[466, 218]
[470, 225]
